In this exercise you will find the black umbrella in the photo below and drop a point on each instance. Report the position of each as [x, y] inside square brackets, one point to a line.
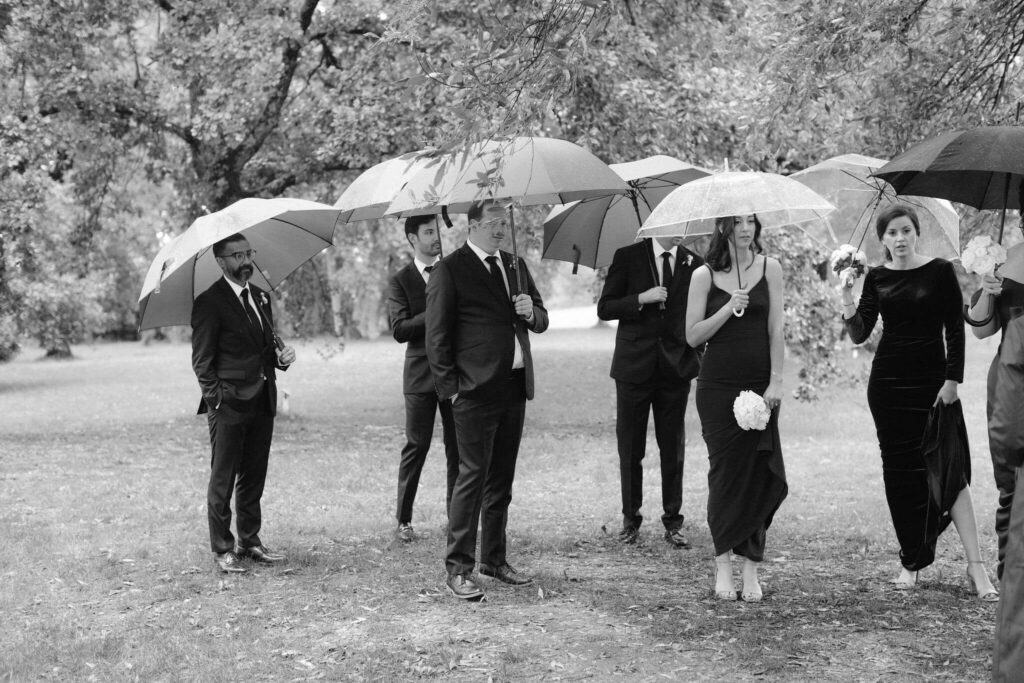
[981, 167]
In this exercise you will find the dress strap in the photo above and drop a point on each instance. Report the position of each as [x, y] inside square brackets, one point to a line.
[764, 267]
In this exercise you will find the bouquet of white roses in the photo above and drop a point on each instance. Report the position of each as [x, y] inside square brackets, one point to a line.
[848, 263]
[982, 255]
[751, 411]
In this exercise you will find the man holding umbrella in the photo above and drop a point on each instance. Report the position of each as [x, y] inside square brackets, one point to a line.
[478, 346]
[407, 305]
[652, 367]
[234, 358]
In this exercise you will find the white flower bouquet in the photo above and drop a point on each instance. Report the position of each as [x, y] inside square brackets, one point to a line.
[751, 411]
[982, 255]
[848, 263]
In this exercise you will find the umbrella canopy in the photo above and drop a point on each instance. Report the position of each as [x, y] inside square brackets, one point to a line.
[846, 181]
[369, 195]
[777, 200]
[527, 170]
[589, 231]
[284, 232]
[981, 167]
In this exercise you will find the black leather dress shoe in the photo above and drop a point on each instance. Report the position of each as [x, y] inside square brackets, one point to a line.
[228, 563]
[629, 535]
[261, 553]
[676, 539]
[506, 574]
[464, 587]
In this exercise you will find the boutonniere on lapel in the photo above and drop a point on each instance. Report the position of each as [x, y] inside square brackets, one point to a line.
[689, 260]
[264, 301]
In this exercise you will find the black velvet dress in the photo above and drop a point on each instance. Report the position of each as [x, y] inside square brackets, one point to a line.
[746, 474]
[920, 308]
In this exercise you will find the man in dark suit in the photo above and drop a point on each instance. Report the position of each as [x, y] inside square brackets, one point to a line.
[478, 345]
[407, 305]
[646, 291]
[234, 358]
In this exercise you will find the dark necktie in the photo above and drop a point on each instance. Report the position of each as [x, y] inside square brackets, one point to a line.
[666, 269]
[253, 320]
[427, 269]
[492, 261]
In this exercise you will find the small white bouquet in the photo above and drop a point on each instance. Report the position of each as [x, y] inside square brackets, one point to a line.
[982, 255]
[751, 411]
[848, 263]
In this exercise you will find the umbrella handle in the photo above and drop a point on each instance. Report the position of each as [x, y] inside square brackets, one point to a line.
[515, 251]
[738, 312]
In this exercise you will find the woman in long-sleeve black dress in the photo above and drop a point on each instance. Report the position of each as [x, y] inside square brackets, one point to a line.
[919, 300]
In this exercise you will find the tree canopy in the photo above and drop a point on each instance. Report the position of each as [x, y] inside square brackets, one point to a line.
[122, 120]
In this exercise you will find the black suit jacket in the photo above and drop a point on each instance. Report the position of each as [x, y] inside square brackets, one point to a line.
[232, 362]
[407, 305]
[472, 327]
[649, 340]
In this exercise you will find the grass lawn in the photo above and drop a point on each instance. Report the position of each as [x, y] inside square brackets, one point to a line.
[106, 574]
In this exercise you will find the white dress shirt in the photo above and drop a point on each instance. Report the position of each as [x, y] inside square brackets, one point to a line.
[658, 251]
[252, 304]
[421, 266]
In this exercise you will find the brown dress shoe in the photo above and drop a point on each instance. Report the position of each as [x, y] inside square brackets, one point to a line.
[506, 574]
[464, 587]
[261, 553]
[229, 563]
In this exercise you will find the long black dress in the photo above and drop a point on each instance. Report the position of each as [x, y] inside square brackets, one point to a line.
[746, 477]
[919, 307]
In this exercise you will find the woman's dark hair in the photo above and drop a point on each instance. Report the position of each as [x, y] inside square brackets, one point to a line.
[718, 255]
[888, 216]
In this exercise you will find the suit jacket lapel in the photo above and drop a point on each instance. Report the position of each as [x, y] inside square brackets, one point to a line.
[235, 304]
[483, 272]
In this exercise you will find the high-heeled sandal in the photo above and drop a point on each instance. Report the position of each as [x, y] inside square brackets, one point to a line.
[729, 595]
[988, 596]
[904, 585]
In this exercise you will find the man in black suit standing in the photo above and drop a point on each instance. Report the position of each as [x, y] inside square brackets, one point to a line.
[478, 345]
[646, 291]
[407, 305]
[234, 358]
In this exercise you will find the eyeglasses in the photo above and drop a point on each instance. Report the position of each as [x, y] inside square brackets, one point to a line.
[494, 223]
[249, 254]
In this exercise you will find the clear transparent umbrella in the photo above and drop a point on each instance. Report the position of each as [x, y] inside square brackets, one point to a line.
[284, 232]
[776, 200]
[846, 181]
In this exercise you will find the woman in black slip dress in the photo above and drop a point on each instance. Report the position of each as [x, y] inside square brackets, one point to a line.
[919, 300]
[746, 475]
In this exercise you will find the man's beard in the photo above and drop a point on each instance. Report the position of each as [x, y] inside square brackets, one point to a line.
[242, 273]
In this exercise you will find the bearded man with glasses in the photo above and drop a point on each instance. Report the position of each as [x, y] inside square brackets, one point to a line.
[235, 354]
